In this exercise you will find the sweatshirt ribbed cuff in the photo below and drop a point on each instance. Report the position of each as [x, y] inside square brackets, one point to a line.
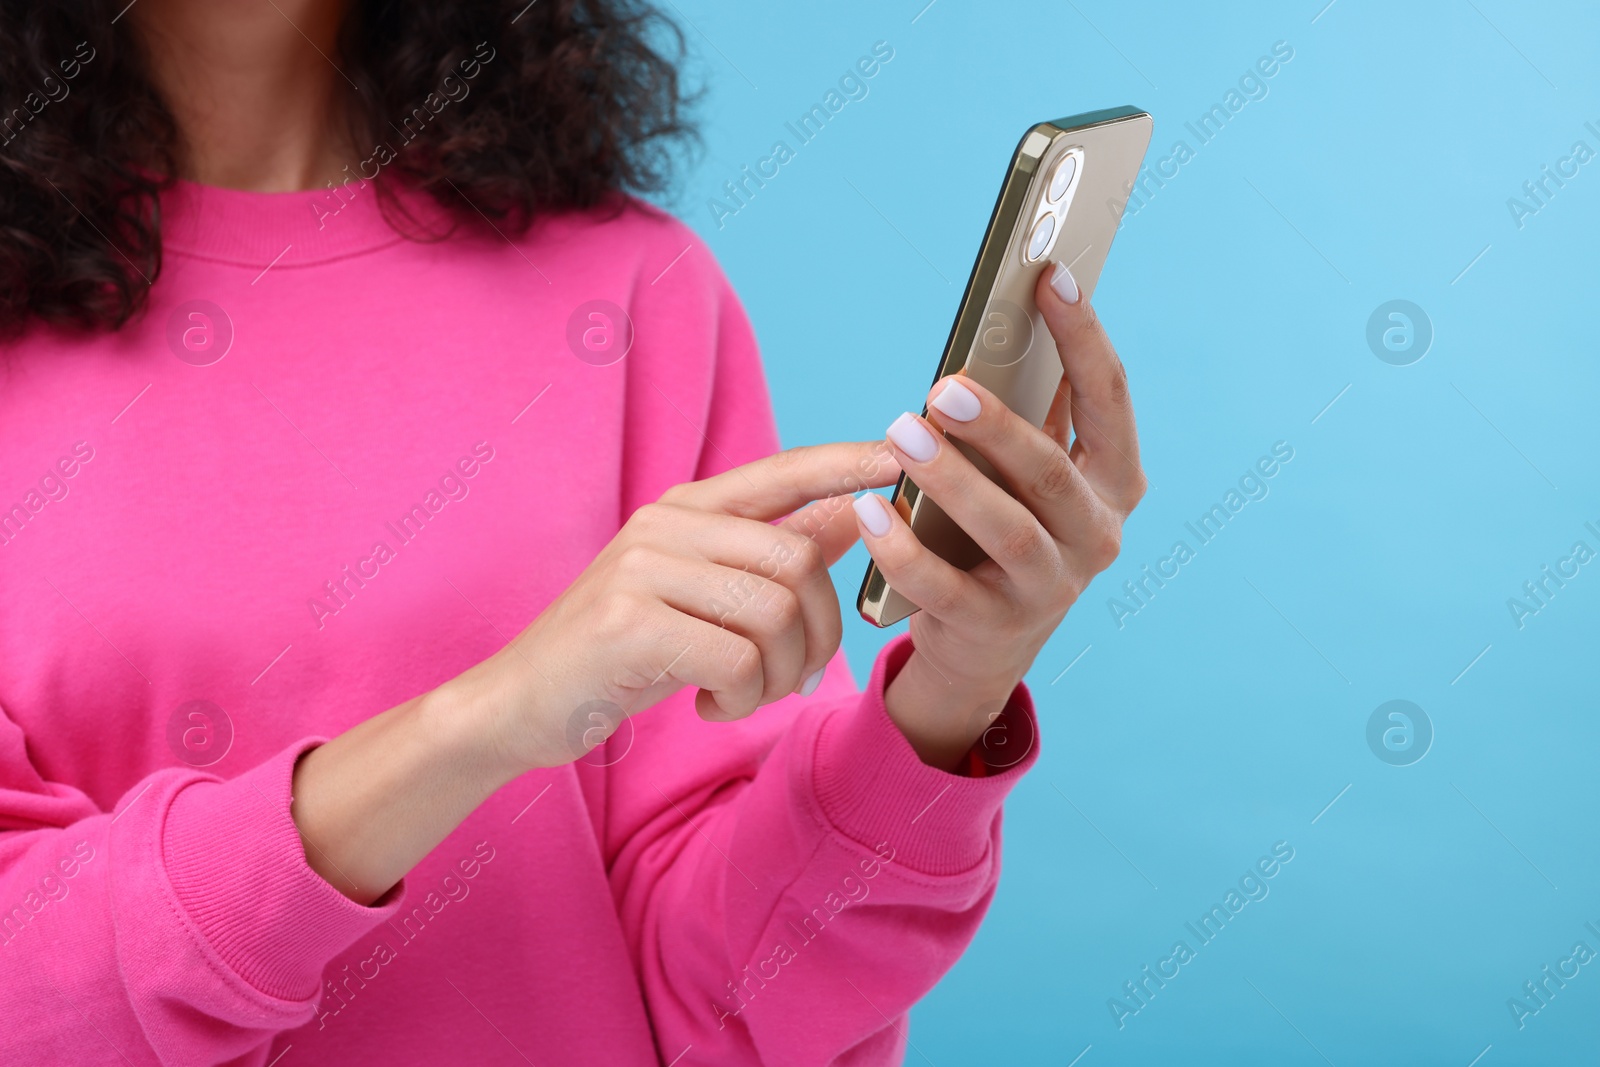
[874, 788]
[235, 859]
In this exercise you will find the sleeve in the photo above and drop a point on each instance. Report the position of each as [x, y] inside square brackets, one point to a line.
[181, 927]
[791, 884]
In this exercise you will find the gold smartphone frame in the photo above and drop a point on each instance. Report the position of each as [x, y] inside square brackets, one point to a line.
[997, 316]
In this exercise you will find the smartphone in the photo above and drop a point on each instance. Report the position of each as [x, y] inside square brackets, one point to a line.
[1062, 198]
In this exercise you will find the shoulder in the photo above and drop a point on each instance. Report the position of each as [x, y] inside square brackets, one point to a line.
[630, 236]
[645, 269]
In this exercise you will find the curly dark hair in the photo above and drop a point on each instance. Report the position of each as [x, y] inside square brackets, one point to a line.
[580, 102]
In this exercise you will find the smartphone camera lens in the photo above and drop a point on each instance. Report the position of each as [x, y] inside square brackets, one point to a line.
[1039, 240]
[1062, 177]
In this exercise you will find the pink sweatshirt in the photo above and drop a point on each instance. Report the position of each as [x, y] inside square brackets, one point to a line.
[330, 469]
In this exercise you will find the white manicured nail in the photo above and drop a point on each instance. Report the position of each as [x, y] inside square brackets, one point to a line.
[1062, 281]
[874, 513]
[813, 680]
[913, 438]
[957, 401]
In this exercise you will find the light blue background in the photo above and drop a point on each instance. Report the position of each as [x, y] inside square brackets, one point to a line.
[1213, 726]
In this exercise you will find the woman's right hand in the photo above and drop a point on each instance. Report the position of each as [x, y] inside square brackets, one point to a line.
[700, 588]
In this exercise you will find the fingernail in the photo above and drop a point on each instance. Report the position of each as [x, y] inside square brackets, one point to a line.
[913, 438]
[957, 401]
[813, 680]
[874, 513]
[1064, 284]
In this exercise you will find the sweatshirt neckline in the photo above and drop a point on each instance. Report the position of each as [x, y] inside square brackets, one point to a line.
[293, 229]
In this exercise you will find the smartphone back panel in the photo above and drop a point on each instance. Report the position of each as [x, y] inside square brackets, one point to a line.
[999, 339]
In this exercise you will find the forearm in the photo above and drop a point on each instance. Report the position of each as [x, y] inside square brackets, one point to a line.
[162, 917]
[733, 898]
[372, 802]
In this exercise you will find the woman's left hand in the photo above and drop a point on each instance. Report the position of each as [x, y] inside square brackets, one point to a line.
[979, 630]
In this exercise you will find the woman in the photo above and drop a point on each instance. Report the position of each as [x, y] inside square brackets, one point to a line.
[322, 400]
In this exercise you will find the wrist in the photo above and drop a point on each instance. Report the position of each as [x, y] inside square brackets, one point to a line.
[373, 801]
[468, 722]
[943, 717]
